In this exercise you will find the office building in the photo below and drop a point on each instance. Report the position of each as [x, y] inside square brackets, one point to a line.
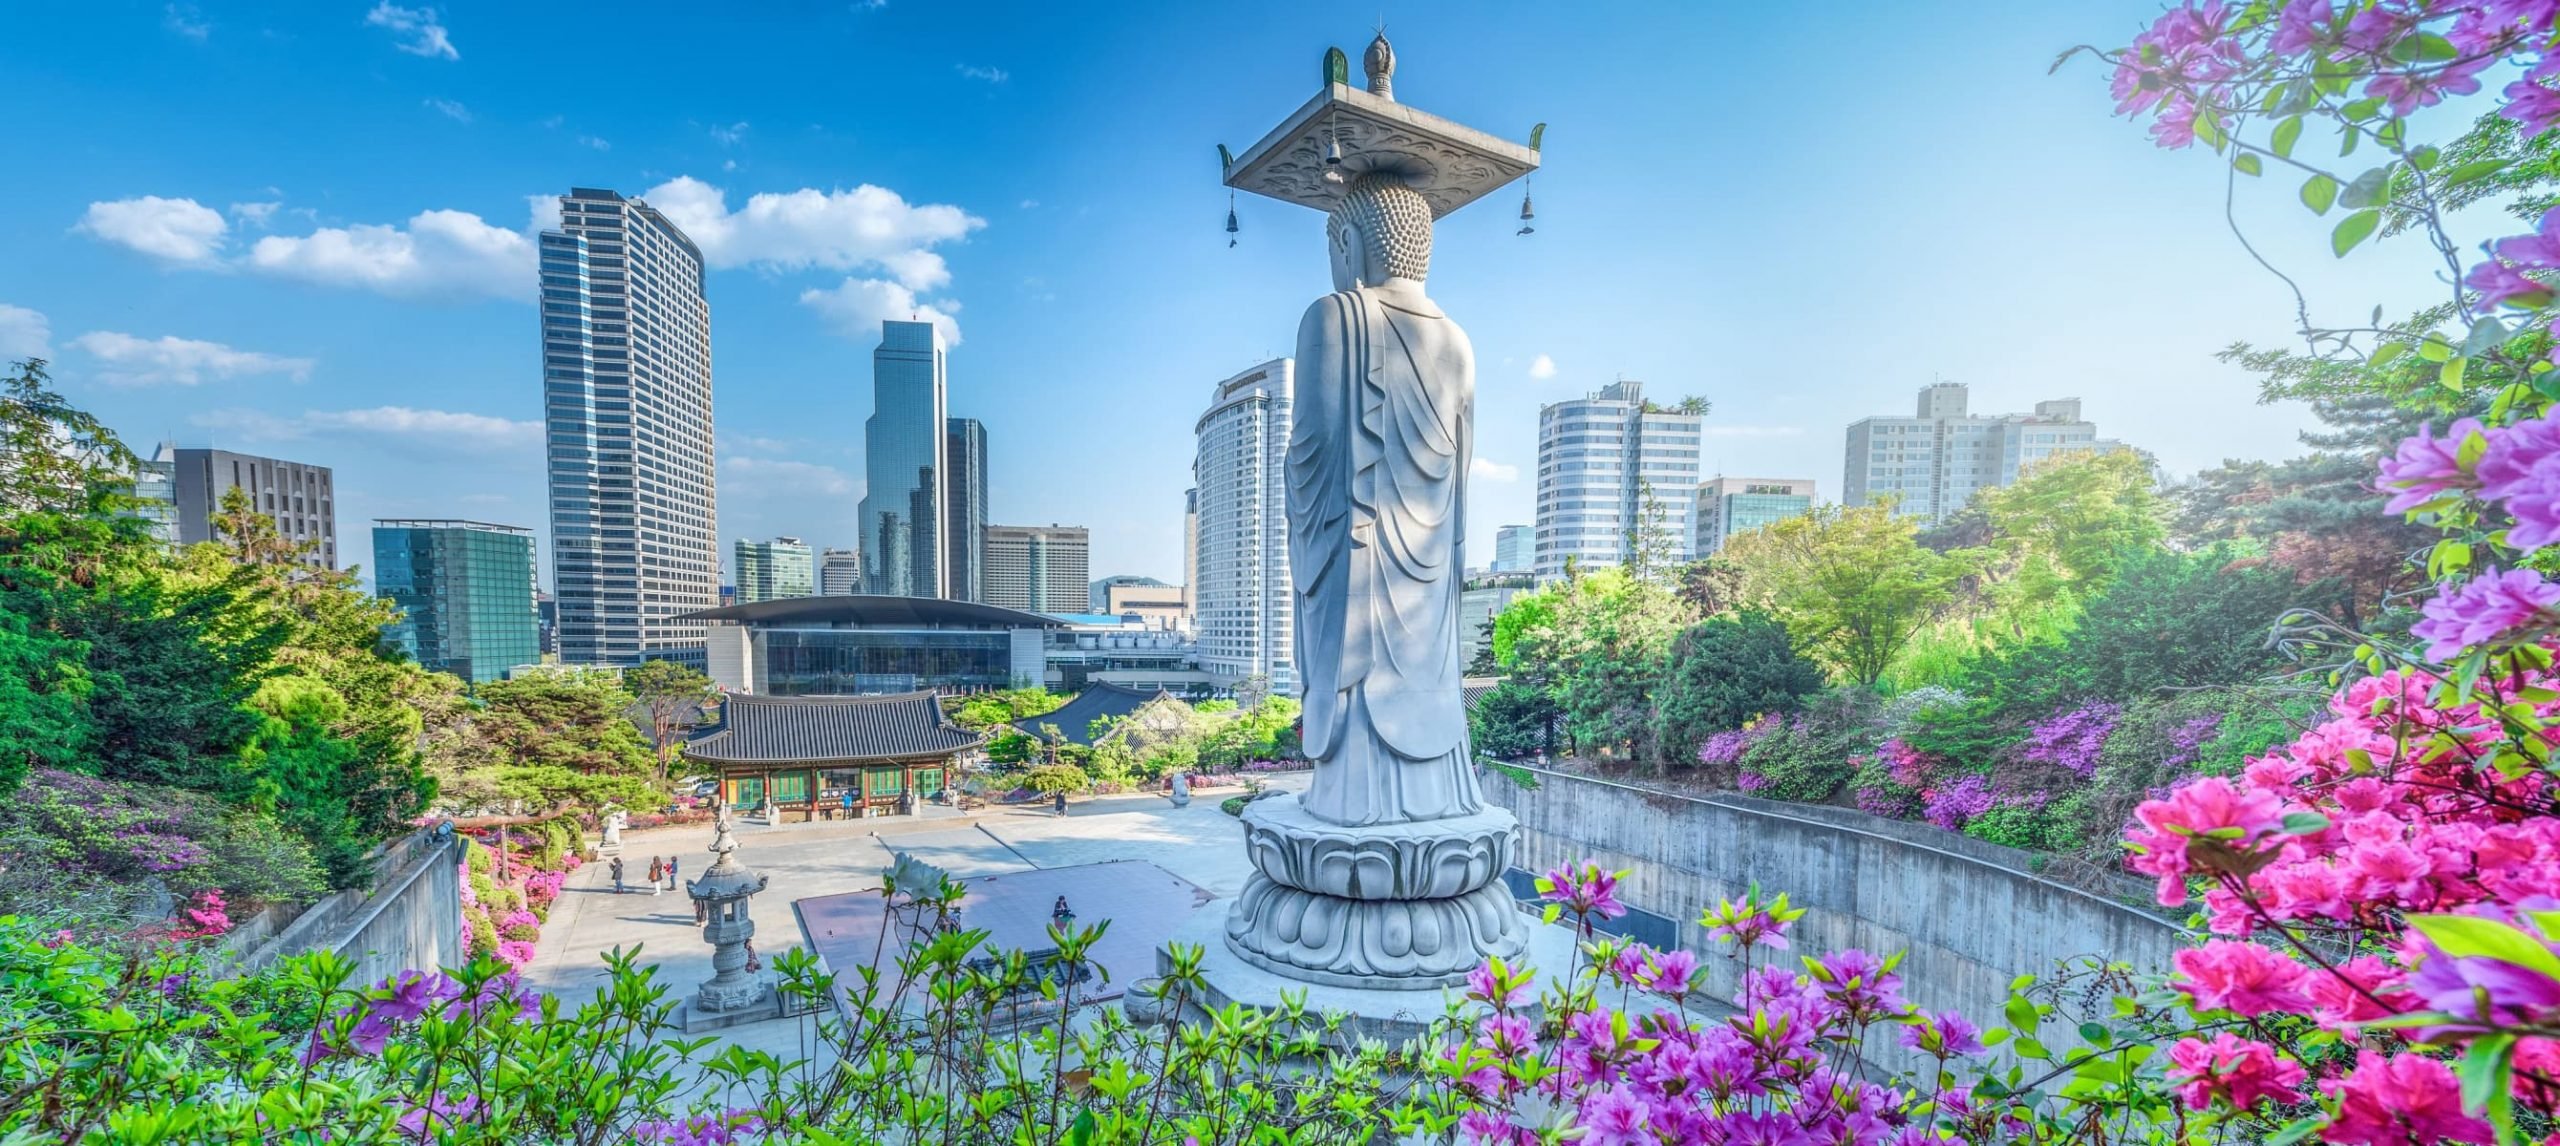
[843, 646]
[773, 570]
[905, 441]
[1616, 474]
[547, 608]
[465, 592]
[1930, 464]
[839, 572]
[1731, 505]
[300, 498]
[1482, 599]
[1159, 605]
[964, 498]
[1515, 549]
[1190, 557]
[1243, 605]
[1039, 568]
[626, 388]
[1098, 595]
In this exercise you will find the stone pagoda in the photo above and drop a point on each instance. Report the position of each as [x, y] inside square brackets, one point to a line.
[733, 994]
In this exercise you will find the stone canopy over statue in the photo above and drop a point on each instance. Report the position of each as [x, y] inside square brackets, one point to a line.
[1386, 874]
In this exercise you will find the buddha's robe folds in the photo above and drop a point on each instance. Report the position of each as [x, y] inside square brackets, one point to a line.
[1378, 454]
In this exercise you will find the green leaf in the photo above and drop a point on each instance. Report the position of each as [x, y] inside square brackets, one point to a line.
[2462, 936]
[2425, 158]
[2297, 1130]
[2451, 376]
[2022, 1014]
[2386, 353]
[2434, 348]
[2368, 189]
[2285, 134]
[2485, 1067]
[2304, 823]
[2245, 163]
[2318, 192]
[2475, 171]
[1081, 1134]
[2352, 230]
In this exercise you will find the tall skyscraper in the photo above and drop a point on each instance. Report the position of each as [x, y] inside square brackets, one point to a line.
[1039, 568]
[1615, 473]
[1931, 463]
[1244, 605]
[839, 572]
[964, 508]
[626, 394]
[465, 591]
[773, 570]
[905, 444]
[1515, 548]
[1731, 505]
[1190, 557]
[299, 497]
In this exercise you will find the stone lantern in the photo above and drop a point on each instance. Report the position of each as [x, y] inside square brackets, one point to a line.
[733, 994]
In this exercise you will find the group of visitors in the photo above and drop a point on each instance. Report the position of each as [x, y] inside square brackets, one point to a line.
[662, 874]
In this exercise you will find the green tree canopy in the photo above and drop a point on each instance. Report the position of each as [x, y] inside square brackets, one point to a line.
[1722, 672]
[1852, 585]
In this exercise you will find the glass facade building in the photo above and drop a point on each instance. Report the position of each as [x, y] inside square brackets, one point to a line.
[626, 392]
[846, 662]
[1614, 471]
[772, 570]
[1039, 568]
[964, 529]
[905, 445]
[1930, 464]
[465, 592]
[1731, 505]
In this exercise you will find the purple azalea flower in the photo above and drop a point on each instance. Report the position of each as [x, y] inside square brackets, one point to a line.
[2425, 465]
[1483, 985]
[2533, 106]
[1946, 1034]
[1669, 973]
[2488, 610]
[1769, 1129]
[1615, 1117]
[2499, 283]
[2521, 468]
[1859, 983]
[371, 1033]
[2301, 25]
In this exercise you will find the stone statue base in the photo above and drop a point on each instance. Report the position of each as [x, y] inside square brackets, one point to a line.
[1392, 1015]
[1389, 907]
[692, 1018]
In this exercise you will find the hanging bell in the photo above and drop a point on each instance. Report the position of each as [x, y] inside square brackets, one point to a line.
[1231, 226]
[1332, 152]
[1527, 212]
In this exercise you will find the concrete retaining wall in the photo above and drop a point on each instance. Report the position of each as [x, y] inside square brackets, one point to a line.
[1970, 917]
[410, 917]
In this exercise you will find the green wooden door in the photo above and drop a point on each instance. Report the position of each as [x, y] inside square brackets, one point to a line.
[746, 792]
[928, 782]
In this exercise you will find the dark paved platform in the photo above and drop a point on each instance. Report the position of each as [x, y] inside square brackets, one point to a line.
[1145, 904]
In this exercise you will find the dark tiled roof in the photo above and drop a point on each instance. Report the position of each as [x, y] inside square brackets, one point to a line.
[789, 729]
[1473, 688]
[1099, 699]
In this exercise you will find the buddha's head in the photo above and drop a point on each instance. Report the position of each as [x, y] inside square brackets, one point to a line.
[1380, 230]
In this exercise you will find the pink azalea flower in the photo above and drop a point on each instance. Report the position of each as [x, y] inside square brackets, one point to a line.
[2425, 466]
[2491, 610]
[1614, 1117]
[2242, 1072]
[2521, 467]
[1669, 972]
[2533, 106]
[1946, 1034]
[2408, 1098]
[2301, 26]
[2499, 284]
[2241, 977]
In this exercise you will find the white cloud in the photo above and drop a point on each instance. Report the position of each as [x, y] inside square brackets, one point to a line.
[1028, 204]
[438, 253]
[435, 430]
[421, 32]
[592, 141]
[170, 361]
[857, 307]
[989, 75]
[179, 230]
[1486, 469]
[730, 135]
[1542, 367]
[257, 215]
[185, 20]
[24, 334]
[453, 109]
[762, 477]
[1754, 431]
[837, 230]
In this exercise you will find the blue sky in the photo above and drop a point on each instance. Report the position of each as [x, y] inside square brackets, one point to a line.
[301, 228]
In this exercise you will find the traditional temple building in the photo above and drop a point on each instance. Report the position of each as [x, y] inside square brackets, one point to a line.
[821, 757]
[1157, 713]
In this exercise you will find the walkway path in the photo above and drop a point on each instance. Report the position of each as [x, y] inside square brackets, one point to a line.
[1199, 843]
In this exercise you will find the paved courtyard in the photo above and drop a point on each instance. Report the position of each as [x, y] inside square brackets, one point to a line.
[1199, 844]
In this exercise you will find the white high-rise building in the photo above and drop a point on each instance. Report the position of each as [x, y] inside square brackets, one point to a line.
[1930, 464]
[626, 390]
[1244, 607]
[839, 572]
[1614, 472]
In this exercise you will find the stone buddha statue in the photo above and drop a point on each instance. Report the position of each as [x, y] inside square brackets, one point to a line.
[1377, 469]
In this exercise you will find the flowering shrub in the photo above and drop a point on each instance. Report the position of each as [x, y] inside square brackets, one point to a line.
[2071, 739]
[205, 918]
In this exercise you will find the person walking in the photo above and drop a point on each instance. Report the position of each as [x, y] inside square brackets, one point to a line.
[1062, 803]
[617, 875]
[671, 873]
[657, 875]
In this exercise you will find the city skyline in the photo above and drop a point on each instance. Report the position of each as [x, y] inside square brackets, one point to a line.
[361, 302]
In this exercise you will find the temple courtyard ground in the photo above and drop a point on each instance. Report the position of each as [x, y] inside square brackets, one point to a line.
[837, 866]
